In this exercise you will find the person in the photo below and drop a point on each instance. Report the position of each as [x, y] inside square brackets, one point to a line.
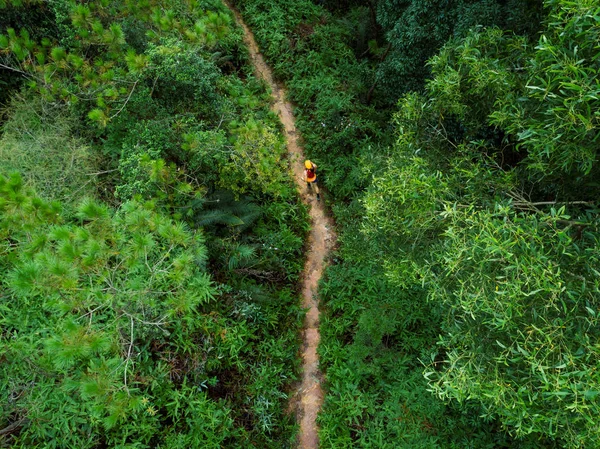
[310, 176]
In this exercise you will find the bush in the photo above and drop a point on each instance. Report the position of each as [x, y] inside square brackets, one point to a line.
[38, 141]
[184, 78]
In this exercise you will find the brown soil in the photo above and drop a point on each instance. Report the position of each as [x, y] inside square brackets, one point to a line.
[307, 400]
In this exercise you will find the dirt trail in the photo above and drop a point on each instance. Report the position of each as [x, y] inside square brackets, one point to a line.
[308, 398]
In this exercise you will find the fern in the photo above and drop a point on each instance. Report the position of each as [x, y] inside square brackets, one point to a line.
[222, 208]
[241, 255]
[215, 217]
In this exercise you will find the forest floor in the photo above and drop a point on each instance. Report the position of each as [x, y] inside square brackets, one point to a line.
[308, 397]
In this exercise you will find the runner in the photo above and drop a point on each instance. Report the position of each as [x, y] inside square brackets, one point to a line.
[310, 176]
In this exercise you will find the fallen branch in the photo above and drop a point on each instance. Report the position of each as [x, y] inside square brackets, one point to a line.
[7, 67]
[572, 223]
[14, 426]
[548, 203]
[128, 356]
[126, 101]
[260, 274]
[102, 172]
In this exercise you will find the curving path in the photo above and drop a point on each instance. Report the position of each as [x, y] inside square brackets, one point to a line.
[308, 398]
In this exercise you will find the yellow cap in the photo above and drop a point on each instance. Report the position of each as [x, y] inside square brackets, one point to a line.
[308, 164]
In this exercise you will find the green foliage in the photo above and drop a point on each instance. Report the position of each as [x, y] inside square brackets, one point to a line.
[544, 96]
[112, 332]
[90, 294]
[257, 160]
[375, 336]
[522, 292]
[129, 341]
[183, 77]
[511, 272]
[562, 78]
[222, 208]
[416, 30]
[38, 141]
[142, 164]
[87, 57]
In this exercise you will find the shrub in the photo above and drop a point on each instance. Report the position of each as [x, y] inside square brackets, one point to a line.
[38, 141]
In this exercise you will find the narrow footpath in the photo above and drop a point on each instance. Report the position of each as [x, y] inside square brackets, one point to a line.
[308, 399]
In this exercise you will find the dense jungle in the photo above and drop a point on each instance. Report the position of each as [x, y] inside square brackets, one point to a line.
[153, 234]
